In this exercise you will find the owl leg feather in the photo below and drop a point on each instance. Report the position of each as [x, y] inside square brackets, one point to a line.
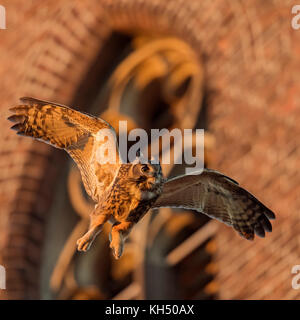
[117, 237]
[96, 226]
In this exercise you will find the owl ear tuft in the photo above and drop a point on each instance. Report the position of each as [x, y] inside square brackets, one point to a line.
[140, 158]
[136, 160]
[155, 160]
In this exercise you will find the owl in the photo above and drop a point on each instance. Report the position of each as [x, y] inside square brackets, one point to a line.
[124, 192]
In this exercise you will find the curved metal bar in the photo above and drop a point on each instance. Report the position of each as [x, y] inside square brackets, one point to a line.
[82, 207]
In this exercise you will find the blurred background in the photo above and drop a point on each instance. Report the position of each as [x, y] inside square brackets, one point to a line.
[230, 67]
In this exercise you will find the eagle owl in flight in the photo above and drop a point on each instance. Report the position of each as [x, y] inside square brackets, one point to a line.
[124, 192]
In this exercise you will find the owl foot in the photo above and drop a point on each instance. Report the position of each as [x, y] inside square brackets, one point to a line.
[117, 247]
[84, 243]
[119, 233]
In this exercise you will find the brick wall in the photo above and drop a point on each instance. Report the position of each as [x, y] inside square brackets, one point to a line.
[250, 54]
[258, 138]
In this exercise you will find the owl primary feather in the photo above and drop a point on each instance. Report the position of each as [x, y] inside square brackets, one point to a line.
[124, 192]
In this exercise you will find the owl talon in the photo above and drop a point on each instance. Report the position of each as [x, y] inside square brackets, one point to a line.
[83, 244]
[117, 248]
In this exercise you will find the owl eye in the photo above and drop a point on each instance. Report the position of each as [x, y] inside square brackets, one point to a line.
[145, 168]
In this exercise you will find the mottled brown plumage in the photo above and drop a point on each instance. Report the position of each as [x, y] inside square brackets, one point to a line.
[219, 197]
[132, 193]
[125, 192]
[71, 130]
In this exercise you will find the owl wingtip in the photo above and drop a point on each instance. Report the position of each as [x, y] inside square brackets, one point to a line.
[260, 231]
[25, 98]
[12, 109]
[16, 127]
[271, 215]
[16, 118]
[11, 118]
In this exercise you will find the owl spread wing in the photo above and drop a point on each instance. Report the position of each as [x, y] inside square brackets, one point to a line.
[71, 130]
[219, 197]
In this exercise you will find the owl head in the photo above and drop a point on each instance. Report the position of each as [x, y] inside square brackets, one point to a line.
[147, 176]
